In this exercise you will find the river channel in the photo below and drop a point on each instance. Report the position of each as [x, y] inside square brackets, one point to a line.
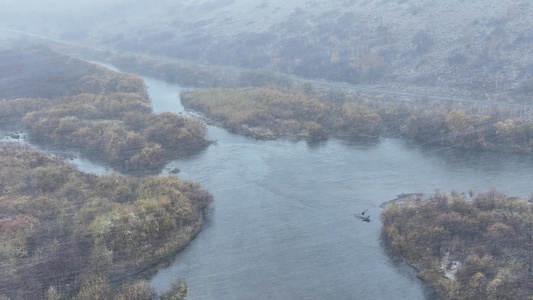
[282, 224]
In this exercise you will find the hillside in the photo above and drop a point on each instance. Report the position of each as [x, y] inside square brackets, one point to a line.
[477, 47]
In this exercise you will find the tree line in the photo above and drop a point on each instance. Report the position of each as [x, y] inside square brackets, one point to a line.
[268, 113]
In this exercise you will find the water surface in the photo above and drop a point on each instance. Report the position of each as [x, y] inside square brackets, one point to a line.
[282, 226]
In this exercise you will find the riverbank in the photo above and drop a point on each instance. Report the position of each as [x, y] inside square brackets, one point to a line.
[466, 249]
[401, 198]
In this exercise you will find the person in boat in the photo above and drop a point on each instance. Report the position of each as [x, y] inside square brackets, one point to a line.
[363, 217]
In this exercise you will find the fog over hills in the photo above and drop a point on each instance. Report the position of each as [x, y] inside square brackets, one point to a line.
[472, 46]
[362, 99]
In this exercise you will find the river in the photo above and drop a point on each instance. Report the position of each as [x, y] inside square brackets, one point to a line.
[282, 224]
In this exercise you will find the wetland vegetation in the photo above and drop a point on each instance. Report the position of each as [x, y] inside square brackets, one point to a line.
[101, 113]
[68, 234]
[64, 232]
[248, 54]
[477, 247]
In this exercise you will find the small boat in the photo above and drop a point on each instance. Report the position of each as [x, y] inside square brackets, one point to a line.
[362, 216]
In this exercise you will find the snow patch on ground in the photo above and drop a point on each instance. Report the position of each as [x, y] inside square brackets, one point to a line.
[449, 266]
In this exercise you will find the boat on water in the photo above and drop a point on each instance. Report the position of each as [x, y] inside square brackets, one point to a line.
[363, 216]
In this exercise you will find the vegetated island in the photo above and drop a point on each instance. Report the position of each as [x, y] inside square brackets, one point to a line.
[67, 234]
[267, 113]
[478, 248]
[300, 111]
[64, 101]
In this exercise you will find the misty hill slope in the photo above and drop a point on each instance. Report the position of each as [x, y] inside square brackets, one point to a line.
[481, 46]
[474, 45]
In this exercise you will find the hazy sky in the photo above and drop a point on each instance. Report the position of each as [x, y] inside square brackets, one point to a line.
[61, 7]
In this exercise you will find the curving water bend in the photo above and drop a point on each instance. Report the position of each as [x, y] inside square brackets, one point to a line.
[282, 226]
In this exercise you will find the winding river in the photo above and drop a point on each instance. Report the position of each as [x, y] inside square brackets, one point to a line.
[282, 224]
